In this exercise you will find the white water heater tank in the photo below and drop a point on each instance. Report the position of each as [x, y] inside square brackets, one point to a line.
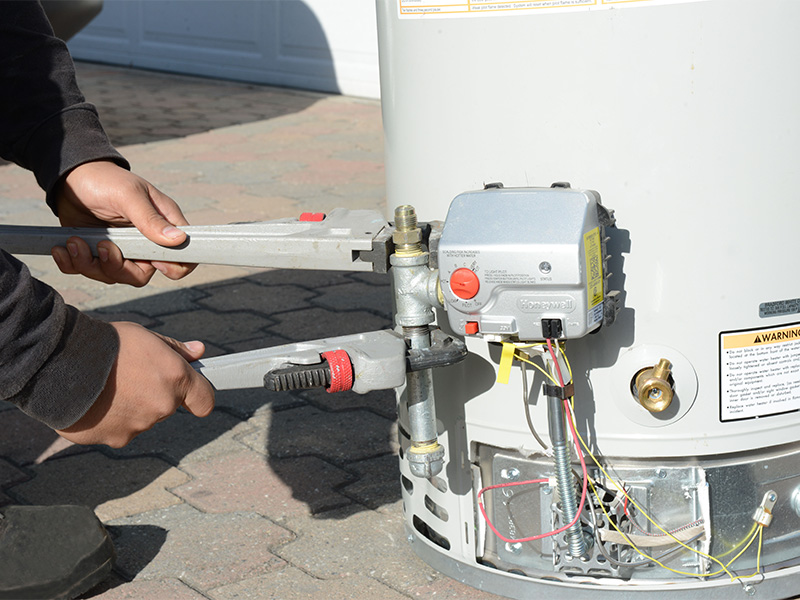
[685, 117]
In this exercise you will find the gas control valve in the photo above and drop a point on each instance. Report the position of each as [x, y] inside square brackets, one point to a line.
[526, 263]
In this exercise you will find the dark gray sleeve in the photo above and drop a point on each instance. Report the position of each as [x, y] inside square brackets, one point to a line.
[54, 360]
[46, 125]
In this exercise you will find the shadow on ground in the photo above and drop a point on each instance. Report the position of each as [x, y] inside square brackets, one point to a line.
[185, 106]
[331, 450]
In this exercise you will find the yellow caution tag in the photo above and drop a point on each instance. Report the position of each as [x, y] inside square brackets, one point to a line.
[506, 360]
[594, 266]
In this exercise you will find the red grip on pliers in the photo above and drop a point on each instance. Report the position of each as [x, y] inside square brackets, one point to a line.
[341, 371]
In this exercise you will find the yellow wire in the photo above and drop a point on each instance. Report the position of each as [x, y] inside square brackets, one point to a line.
[526, 346]
[760, 543]
[664, 531]
[743, 540]
[520, 358]
[534, 365]
[563, 350]
[749, 538]
[662, 565]
[647, 516]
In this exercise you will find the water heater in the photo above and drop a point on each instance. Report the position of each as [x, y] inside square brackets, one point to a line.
[659, 344]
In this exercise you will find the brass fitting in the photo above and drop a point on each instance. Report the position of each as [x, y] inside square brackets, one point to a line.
[653, 386]
[407, 237]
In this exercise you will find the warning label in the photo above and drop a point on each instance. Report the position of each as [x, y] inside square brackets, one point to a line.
[483, 8]
[594, 266]
[759, 372]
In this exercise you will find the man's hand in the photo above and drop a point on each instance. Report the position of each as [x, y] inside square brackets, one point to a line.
[103, 194]
[150, 379]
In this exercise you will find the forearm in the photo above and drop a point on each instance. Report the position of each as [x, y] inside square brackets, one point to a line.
[46, 125]
[54, 360]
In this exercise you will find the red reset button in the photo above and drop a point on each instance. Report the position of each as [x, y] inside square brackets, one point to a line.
[464, 283]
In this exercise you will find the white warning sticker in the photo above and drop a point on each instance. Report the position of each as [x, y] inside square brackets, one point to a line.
[485, 8]
[759, 372]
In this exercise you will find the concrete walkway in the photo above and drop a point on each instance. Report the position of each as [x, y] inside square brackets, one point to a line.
[291, 495]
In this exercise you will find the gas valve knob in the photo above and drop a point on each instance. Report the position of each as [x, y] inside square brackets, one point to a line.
[653, 386]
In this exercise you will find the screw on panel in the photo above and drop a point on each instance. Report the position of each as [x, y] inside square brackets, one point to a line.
[511, 474]
[514, 547]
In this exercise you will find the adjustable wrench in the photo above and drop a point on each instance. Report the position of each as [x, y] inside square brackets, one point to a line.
[346, 240]
[343, 240]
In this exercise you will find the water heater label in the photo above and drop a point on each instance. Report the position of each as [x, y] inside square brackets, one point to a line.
[410, 9]
[779, 308]
[759, 372]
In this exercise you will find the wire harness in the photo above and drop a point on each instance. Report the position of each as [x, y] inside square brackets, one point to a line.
[676, 540]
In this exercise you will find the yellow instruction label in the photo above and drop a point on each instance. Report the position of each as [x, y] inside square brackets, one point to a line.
[594, 266]
[759, 372]
[484, 8]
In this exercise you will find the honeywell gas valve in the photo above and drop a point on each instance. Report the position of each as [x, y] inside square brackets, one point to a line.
[526, 263]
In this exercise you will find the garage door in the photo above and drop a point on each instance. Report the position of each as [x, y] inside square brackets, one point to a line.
[328, 45]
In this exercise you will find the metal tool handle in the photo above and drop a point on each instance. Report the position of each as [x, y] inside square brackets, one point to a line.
[378, 359]
[335, 243]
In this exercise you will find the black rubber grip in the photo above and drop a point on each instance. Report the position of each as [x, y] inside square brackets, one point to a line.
[298, 377]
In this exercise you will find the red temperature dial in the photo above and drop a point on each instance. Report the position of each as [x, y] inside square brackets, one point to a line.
[464, 283]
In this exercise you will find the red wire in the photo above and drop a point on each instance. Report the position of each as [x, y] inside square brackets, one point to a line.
[555, 361]
[580, 455]
[510, 484]
[504, 485]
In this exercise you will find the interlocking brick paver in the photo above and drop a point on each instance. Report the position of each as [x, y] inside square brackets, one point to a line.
[247, 295]
[345, 297]
[310, 279]
[314, 323]
[382, 402]
[179, 300]
[216, 507]
[204, 550]
[338, 437]
[293, 584]
[117, 315]
[366, 543]
[126, 97]
[378, 483]
[26, 441]
[166, 589]
[244, 403]
[274, 488]
[185, 439]
[9, 475]
[211, 325]
[113, 488]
